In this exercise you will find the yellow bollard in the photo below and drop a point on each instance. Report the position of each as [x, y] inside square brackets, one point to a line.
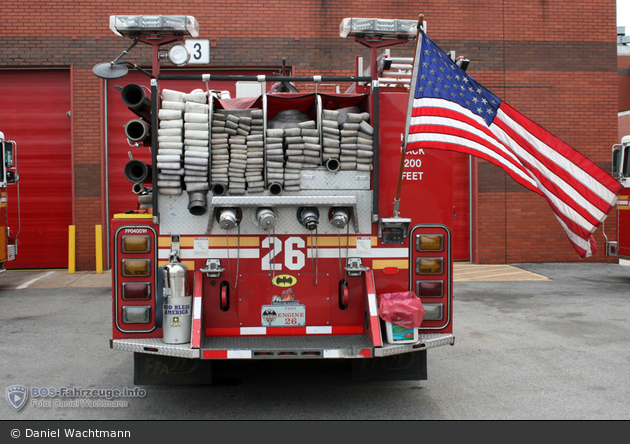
[99, 248]
[71, 248]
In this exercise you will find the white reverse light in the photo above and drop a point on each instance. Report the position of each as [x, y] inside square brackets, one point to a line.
[179, 55]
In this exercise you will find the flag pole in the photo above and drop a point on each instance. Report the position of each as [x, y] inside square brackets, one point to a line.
[403, 147]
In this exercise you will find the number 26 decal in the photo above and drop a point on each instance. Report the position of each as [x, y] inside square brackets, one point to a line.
[294, 258]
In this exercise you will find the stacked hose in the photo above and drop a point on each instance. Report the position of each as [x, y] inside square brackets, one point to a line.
[255, 145]
[356, 140]
[170, 143]
[330, 137]
[196, 145]
[237, 144]
[274, 147]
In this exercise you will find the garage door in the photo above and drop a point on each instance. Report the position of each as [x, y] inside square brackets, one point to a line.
[34, 112]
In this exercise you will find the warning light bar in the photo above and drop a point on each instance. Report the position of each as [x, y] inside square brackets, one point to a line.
[134, 25]
[385, 28]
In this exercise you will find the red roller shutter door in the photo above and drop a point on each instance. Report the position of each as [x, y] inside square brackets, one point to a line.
[34, 112]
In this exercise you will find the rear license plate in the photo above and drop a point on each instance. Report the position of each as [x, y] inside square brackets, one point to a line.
[289, 315]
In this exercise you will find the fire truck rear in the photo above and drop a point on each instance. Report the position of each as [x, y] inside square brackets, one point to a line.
[621, 170]
[267, 231]
[8, 175]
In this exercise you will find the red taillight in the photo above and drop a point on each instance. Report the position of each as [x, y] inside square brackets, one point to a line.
[134, 291]
[430, 288]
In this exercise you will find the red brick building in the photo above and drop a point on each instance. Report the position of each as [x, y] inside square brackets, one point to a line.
[556, 62]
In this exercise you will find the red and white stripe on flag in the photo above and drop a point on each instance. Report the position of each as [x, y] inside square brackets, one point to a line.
[449, 110]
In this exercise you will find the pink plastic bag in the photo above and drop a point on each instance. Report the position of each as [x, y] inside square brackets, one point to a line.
[403, 308]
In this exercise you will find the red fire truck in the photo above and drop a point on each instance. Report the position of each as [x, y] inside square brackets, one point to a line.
[268, 229]
[8, 175]
[621, 170]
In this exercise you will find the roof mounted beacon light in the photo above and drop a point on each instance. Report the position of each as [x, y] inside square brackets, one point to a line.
[382, 28]
[154, 25]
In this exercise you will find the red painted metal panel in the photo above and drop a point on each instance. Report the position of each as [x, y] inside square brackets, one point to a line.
[435, 183]
[623, 224]
[33, 113]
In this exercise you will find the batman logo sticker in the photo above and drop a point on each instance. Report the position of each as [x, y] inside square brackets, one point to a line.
[284, 280]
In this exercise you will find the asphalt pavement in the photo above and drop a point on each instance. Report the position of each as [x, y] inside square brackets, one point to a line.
[533, 341]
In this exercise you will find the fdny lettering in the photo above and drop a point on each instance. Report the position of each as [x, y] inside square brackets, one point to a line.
[136, 231]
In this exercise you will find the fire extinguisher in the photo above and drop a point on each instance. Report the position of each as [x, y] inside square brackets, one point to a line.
[177, 304]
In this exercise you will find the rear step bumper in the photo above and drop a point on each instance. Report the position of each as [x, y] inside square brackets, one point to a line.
[310, 347]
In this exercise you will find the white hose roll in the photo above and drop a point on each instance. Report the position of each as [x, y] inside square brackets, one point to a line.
[195, 161]
[191, 167]
[197, 186]
[307, 124]
[178, 171]
[196, 126]
[329, 114]
[196, 117]
[172, 95]
[364, 167]
[170, 191]
[348, 166]
[168, 124]
[366, 128]
[194, 107]
[162, 132]
[330, 143]
[365, 147]
[190, 172]
[168, 158]
[166, 104]
[168, 184]
[199, 97]
[168, 165]
[169, 152]
[201, 149]
[190, 153]
[197, 142]
[361, 153]
[169, 138]
[170, 145]
[169, 114]
[197, 135]
[168, 177]
[354, 118]
[310, 140]
[275, 132]
[188, 179]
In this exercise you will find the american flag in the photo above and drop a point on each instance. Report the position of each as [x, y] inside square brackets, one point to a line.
[451, 111]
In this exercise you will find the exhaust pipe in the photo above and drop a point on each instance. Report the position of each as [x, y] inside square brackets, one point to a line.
[275, 189]
[137, 130]
[136, 171]
[197, 203]
[134, 96]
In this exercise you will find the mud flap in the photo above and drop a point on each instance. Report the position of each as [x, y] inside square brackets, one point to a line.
[403, 367]
[170, 370]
